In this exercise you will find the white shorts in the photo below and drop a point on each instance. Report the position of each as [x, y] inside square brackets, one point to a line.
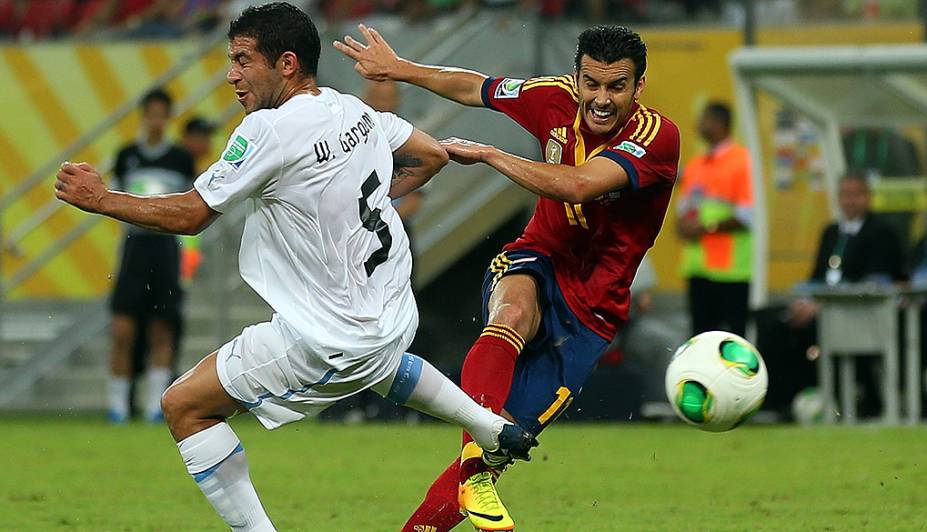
[271, 372]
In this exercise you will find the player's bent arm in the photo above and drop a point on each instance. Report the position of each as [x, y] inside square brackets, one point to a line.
[415, 162]
[377, 61]
[183, 213]
[457, 84]
[561, 182]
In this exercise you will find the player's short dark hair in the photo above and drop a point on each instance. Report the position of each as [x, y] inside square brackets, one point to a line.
[157, 95]
[280, 27]
[721, 112]
[610, 43]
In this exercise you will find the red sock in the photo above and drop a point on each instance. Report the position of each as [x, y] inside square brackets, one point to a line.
[439, 512]
[487, 377]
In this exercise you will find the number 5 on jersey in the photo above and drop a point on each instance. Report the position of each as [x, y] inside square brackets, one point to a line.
[370, 219]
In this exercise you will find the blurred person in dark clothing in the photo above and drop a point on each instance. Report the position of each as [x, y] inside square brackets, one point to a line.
[147, 297]
[859, 247]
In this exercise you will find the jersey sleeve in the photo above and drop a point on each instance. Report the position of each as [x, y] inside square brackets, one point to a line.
[251, 159]
[525, 101]
[396, 129]
[649, 157]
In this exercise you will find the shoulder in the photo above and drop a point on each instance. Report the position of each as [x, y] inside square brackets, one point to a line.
[877, 225]
[500, 89]
[739, 154]
[179, 151]
[274, 125]
[563, 86]
[127, 150]
[648, 127]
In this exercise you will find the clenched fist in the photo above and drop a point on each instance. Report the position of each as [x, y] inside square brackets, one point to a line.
[80, 185]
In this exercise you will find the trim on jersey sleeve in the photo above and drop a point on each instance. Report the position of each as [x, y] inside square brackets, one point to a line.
[623, 162]
[484, 94]
[201, 185]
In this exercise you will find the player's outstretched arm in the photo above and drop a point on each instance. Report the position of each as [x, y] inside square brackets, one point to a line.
[377, 61]
[415, 162]
[561, 182]
[183, 213]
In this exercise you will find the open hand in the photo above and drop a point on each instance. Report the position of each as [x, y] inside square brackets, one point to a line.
[375, 59]
[466, 151]
[80, 185]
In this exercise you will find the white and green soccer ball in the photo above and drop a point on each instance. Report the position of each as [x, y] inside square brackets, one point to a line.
[716, 381]
[809, 406]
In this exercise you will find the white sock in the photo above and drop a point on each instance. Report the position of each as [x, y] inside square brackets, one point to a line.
[118, 395]
[419, 385]
[216, 460]
[158, 381]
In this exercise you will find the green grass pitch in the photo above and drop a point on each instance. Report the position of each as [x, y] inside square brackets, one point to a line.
[77, 473]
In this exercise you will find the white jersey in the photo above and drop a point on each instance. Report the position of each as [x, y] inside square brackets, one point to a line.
[322, 243]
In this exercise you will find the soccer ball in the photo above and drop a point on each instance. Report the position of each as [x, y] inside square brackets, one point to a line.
[808, 407]
[716, 380]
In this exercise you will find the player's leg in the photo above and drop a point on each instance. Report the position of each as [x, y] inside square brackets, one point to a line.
[123, 330]
[127, 303]
[195, 408]
[440, 509]
[417, 384]
[703, 305]
[161, 359]
[512, 313]
[514, 316]
[736, 306]
[165, 296]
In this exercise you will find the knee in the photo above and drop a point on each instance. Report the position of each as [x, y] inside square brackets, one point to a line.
[175, 406]
[515, 316]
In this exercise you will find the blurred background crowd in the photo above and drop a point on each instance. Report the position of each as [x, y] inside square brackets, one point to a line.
[31, 20]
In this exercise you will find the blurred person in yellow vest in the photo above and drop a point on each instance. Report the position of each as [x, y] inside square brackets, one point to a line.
[715, 217]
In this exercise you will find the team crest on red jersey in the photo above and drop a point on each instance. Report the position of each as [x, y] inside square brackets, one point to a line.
[553, 153]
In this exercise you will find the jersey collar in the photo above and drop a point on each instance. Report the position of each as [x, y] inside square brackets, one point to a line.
[579, 148]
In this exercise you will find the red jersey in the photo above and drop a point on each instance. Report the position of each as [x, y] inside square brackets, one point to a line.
[595, 247]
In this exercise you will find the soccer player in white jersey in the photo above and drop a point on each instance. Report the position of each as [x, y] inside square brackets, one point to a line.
[322, 245]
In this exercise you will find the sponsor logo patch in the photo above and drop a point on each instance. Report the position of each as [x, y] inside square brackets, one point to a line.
[238, 151]
[630, 147]
[509, 88]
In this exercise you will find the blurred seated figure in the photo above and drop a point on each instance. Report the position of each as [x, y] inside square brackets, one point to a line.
[859, 247]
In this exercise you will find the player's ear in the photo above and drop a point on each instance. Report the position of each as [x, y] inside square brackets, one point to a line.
[289, 63]
[639, 89]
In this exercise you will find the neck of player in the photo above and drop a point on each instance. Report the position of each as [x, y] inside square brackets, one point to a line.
[294, 87]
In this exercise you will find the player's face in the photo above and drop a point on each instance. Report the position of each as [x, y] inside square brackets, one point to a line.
[258, 85]
[606, 93]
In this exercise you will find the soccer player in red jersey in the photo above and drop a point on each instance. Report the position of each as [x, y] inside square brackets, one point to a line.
[555, 297]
